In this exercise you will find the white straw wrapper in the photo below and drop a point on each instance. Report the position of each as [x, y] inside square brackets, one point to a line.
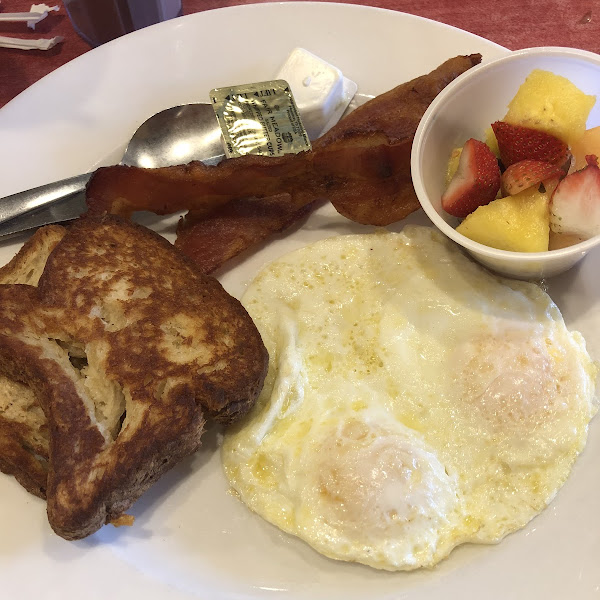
[34, 16]
[20, 44]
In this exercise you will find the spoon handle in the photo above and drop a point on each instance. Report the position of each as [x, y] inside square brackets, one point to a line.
[21, 203]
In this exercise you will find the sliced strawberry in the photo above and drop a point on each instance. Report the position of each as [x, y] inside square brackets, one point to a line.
[476, 181]
[575, 204]
[518, 143]
[527, 173]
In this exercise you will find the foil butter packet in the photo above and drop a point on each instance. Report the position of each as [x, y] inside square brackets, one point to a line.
[259, 118]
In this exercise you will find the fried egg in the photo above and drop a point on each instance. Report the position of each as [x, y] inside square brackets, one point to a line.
[414, 401]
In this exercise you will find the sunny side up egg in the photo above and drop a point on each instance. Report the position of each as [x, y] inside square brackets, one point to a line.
[413, 402]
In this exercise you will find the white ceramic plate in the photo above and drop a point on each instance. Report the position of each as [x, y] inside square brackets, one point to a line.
[191, 539]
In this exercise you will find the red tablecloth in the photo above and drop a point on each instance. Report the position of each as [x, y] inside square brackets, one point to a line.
[511, 23]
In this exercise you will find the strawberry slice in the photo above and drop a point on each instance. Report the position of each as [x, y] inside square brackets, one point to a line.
[518, 143]
[476, 181]
[575, 204]
[526, 174]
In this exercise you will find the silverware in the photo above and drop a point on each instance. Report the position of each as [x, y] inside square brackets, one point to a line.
[174, 136]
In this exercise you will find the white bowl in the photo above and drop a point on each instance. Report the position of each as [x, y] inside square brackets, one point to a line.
[463, 110]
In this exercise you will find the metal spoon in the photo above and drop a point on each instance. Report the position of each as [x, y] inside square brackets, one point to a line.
[174, 136]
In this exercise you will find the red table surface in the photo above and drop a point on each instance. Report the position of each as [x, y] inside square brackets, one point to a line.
[512, 23]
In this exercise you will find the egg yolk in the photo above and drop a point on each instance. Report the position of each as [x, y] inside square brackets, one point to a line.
[375, 484]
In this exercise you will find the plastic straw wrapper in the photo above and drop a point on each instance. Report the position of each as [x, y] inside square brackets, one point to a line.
[20, 44]
[34, 16]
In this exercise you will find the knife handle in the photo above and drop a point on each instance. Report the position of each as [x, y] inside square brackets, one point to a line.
[21, 203]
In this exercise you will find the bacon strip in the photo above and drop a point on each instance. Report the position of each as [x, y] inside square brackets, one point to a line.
[362, 165]
[123, 190]
[233, 228]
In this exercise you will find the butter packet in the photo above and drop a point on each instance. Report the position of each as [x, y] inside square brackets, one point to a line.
[259, 118]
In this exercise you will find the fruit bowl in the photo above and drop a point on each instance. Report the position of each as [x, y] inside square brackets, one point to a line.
[465, 109]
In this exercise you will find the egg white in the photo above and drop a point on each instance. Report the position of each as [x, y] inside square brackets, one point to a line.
[414, 401]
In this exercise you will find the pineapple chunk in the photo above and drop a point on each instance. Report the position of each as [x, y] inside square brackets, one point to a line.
[589, 143]
[452, 165]
[520, 223]
[492, 142]
[552, 104]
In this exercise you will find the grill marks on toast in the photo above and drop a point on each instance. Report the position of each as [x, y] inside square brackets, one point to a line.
[128, 349]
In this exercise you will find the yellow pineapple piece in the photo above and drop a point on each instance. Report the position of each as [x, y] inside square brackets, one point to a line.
[492, 142]
[520, 223]
[452, 164]
[552, 104]
[588, 143]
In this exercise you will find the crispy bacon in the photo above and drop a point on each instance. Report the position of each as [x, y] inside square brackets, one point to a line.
[213, 240]
[362, 165]
[123, 190]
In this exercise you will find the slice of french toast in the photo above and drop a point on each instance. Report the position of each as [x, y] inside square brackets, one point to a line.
[24, 442]
[128, 349]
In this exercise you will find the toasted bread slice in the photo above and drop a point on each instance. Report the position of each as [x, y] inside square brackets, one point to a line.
[24, 442]
[28, 264]
[128, 349]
